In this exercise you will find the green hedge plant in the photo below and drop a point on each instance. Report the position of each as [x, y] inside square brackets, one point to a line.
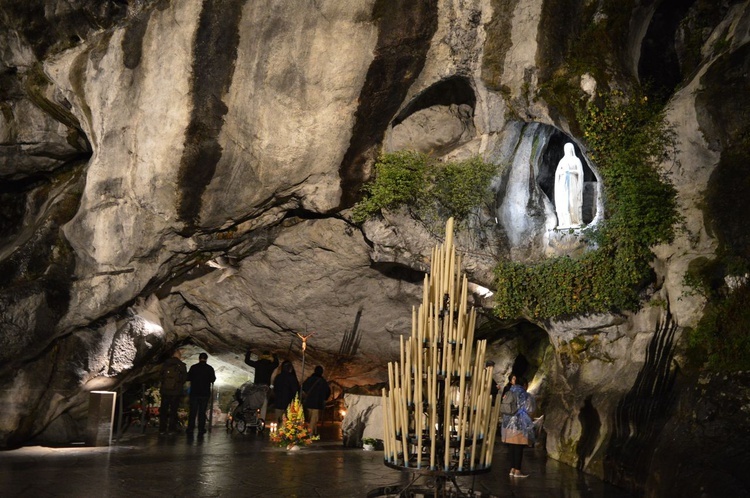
[429, 187]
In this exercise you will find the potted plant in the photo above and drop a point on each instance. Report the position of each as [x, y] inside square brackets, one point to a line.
[368, 443]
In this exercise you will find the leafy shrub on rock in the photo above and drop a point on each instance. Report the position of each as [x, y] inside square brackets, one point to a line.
[427, 186]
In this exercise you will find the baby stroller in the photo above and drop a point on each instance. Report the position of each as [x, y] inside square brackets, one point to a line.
[245, 410]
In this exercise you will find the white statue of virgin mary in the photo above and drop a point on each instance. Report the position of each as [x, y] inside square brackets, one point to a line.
[569, 189]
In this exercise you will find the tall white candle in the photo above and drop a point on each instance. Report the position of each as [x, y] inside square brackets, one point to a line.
[461, 404]
[447, 416]
[407, 372]
[393, 423]
[449, 232]
[418, 420]
[386, 428]
[405, 431]
[452, 278]
[433, 415]
[401, 356]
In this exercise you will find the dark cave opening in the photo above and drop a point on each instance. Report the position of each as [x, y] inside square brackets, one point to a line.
[516, 348]
[591, 424]
[399, 272]
[520, 366]
[659, 67]
[454, 90]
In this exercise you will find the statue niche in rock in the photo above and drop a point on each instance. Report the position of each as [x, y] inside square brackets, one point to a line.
[569, 190]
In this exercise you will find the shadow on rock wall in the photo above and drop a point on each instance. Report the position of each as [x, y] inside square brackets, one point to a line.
[642, 413]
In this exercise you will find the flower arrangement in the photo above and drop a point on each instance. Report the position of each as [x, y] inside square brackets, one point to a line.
[146, 407]
[153, 396]
[293, 430]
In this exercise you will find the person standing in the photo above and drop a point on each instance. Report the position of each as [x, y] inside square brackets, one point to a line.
[517, 429]
[315, 391]
[285, 387]
[201, 376]
[264, 367]
[511, 383]
[494, 389]
[173, 377]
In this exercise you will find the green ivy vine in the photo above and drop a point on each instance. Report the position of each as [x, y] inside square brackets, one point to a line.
[627, 139]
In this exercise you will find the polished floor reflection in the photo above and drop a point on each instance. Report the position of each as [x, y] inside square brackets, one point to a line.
[234, 465]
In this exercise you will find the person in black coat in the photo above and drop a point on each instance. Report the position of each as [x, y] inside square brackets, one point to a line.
[201, 376]
[315, 391]
[173, 377]
[264, 367]
[285, 387]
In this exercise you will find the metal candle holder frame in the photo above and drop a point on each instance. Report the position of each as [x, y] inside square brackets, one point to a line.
[439, 417]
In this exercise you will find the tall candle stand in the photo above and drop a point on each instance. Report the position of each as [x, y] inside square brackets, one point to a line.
[439, 419]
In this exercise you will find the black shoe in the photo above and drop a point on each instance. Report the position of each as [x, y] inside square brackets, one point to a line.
[200, 433]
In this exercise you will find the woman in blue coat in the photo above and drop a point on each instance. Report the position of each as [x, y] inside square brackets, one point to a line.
[517, 429]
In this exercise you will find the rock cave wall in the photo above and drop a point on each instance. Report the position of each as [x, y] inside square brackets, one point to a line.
[180, 173]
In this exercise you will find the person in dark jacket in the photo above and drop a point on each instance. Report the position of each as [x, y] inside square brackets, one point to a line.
[315, 391]
[201, 376]
[173, 377]
[285, 387]
[494, 389]
[264, 367]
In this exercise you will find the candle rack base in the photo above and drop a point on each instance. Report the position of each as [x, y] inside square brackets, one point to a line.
[429, 484]
[426, 483]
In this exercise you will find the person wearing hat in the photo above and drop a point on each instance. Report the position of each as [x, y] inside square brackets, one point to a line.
[201, 376]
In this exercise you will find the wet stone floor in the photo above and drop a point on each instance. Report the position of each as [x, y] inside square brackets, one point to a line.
[236, 465]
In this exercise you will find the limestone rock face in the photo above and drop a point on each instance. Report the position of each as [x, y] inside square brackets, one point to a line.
[437, 128]
[169, 161]
[314, 278]
[181, 173]
[34, 142]
[364, 419]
